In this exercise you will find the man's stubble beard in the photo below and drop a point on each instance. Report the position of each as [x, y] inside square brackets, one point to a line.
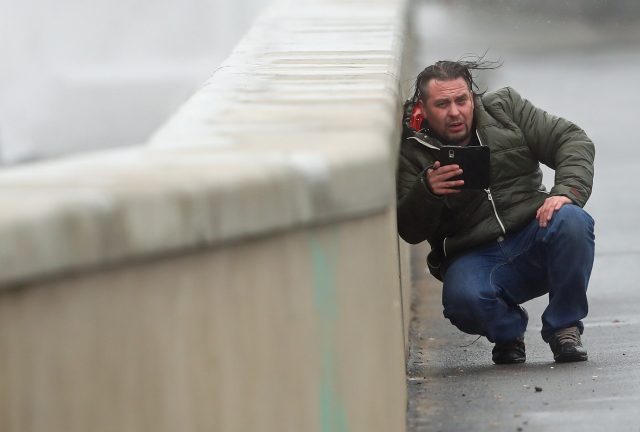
[458, 141]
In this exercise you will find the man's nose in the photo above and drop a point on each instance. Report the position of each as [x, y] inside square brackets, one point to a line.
[454, 111]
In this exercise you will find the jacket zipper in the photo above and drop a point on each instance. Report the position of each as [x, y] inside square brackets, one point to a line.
[495, 211]
[490, 197]
[487, 191]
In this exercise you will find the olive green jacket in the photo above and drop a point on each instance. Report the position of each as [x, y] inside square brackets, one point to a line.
[520, 136]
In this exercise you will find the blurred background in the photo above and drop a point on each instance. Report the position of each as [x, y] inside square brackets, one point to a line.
[78, 75]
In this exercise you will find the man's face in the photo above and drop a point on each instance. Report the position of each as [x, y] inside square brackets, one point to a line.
[449, 110]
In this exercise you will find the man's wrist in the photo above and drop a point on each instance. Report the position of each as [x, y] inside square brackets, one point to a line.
[425, 181]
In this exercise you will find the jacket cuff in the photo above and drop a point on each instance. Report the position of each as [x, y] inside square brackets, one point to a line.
[574, 194]
[423, 180]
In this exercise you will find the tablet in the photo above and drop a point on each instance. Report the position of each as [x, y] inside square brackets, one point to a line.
[474, 162]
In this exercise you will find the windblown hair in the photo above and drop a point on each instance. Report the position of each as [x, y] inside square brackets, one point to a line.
[445, 70]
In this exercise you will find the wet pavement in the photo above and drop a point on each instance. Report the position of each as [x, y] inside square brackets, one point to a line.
[585, 71]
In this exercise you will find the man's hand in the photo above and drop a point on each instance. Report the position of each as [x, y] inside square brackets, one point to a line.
[439, 179]
[550, 206]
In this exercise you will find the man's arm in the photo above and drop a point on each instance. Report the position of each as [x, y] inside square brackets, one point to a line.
[562, 146]
[559, 144]
[418, 209]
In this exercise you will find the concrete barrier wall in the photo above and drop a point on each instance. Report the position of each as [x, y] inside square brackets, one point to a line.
[241, 271]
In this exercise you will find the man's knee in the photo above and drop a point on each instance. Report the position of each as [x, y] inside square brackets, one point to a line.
[463, 306]
[573, 222]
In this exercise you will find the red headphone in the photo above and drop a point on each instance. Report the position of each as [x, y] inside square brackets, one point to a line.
[417, 117]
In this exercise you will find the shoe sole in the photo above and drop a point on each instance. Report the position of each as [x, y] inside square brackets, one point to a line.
[568, 358]
[515, 361]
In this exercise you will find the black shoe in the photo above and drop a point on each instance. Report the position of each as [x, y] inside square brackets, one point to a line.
[510, 352]
[566, 346]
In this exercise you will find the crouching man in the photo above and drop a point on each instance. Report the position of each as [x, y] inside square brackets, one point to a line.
[495, 248]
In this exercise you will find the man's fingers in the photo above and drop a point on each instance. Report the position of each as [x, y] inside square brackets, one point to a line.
[550, 213]
[444, 188]
[439, 179]
[448, 191]
[452, 184]
[551, 205]
[445, 173]
[448, 169]
[542, 215]
[447, 177]
[547, 214]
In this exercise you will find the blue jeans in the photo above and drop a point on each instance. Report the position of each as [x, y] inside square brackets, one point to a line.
[484, 287]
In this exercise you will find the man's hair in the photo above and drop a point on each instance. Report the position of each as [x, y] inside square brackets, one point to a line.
[447, 70]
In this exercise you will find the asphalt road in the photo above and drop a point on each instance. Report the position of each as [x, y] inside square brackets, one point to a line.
[586, 72]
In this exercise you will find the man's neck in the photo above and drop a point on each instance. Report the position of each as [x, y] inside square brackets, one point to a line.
[472, 140]
[465, 142]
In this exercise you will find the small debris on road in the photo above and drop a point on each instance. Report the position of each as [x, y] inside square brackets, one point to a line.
[538, 389]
